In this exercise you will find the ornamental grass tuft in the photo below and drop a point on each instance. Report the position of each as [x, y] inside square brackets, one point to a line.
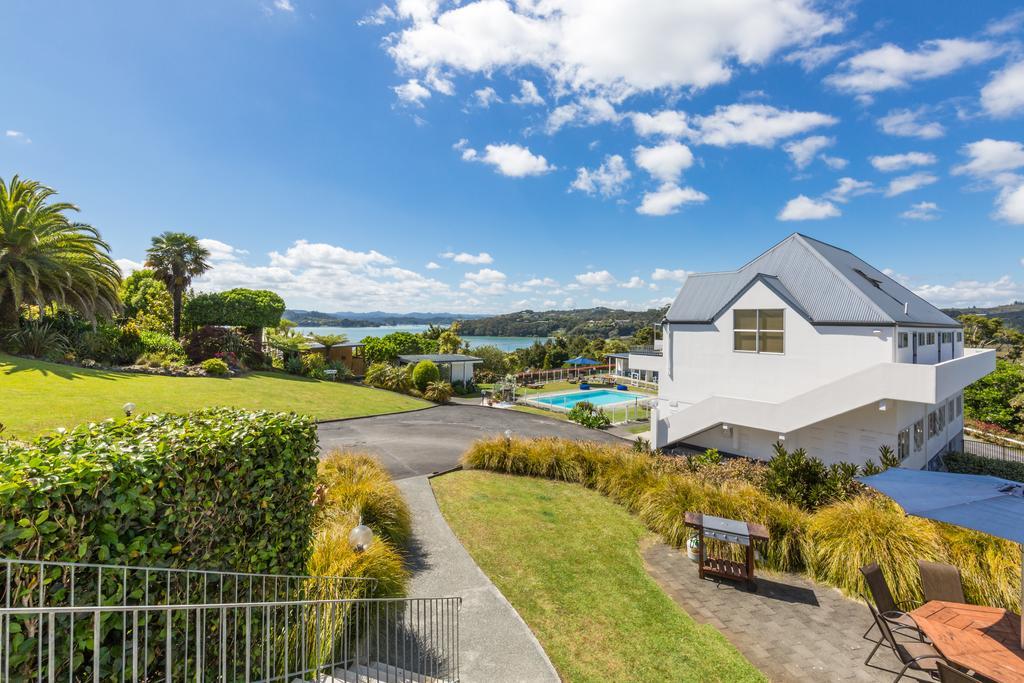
[356, 483]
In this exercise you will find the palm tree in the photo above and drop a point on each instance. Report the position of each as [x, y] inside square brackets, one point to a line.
[45, 258]
[176, 258]
[328, 341]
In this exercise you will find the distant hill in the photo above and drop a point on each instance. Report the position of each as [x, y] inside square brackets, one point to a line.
[1012, 314]
[371, 319]
[588, 322]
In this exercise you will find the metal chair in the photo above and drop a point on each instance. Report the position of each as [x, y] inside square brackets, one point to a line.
[887, 606]
[913, 655]
[948, 674]
[941, 582]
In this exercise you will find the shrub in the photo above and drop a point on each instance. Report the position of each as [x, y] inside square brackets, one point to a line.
[38, 339]
[334, 556]
[158, 342]
[213, 342]
[964, 463]
[248, 308]
[438, 392]
[215, 367]
[390, 377]
[293, 365]
[388, 348]
[709, 458]
[989, 566]
[586, 414]
[424, 373]
[343, 373]
[218, 489]
[111, 344]
[313, 365]
[354, 482]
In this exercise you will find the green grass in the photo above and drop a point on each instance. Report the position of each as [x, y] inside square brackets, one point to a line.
[553, 414]
[568, 560]
[36, 396]
[640, 428]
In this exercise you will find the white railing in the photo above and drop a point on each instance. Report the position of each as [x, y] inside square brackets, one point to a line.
[87, 622]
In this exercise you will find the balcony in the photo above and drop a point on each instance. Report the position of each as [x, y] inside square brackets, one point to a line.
[645, 350]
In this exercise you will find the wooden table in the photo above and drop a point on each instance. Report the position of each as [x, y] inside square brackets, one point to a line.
[744, 533]
[985, 640]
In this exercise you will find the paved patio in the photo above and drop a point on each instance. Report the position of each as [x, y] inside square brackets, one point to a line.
[791, 629]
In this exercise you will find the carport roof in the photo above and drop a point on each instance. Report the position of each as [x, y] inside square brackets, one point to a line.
[440, 358]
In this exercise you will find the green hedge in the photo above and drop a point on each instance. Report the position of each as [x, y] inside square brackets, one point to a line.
[965, 463]
[236, 308]
[215, 489]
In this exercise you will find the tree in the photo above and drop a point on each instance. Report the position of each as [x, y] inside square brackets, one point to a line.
[328, 341]
[983, 332]
[426, 372]
[992, 398]
[45, 258]
[146, 301]
[449, 341]
[240, 307]
[176, 258]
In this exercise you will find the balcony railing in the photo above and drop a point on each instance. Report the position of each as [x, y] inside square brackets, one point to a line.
[78, 622]
[646, 350]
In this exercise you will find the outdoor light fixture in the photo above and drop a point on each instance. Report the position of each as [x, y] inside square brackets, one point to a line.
[877, 333]
[725, 427]
[508, 435]
[882, 405]
[361, 537]
[128, 409]
[782, 437]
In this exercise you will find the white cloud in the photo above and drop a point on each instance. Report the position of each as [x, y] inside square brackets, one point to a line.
[847, 188]
[760, 125]
[803, 151]
[1008, 24]
[667, 122]
[972, 292]
[514, 161]
[432, 265]
[587, 111]
[220, 251]
[284, 5]
[803, 208]
[835, 163]
[412, 92]
[1003, 96]
[378, 17]
[545, 282]
[811, 58]
[608, 179]
[1010, 204]
[485, 97]
[528, 94]
[607, 48]
[482, 258]
[922, 211]
[908, 183]
[675, 275]
[17, 135]
[668, 198]
[633, 283]
[597, 278]
[899, 162]
[991, 159]
[128, 266]
[486, 276]
[907, 123]
[664, 162]
[890, 66]
[304, 254]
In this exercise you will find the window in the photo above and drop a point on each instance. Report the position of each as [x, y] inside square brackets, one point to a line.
[959, 336]
[932, 424]
[949, 410]
[940, 420]
[960, 405]
[946, 338]
[903, 443]
[919, 434]
[931, 339]
[902, 340]
[758, 330]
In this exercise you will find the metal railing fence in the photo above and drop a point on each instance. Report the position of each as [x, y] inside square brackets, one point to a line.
[87, 622]
[998, 451]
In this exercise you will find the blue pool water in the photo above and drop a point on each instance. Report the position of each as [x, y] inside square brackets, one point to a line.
[598, 397]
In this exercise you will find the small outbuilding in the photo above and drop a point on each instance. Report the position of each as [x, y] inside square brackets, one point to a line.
[454, 367]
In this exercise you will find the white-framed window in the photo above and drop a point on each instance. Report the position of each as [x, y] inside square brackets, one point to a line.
[946, 338]
[903, 443]
[960, 405]
[901, 340]
[758, 330]
[932, 424]
[940, 419]
[950, 405]
[959, 336]
[930, 339]
[919, 435]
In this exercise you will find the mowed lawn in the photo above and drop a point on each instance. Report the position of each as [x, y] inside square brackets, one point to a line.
[36, 396]
[568, 560]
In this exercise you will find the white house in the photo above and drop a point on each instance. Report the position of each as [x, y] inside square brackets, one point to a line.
[810, 345]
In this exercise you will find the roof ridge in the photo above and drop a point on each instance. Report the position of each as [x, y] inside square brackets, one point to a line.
[802, 240]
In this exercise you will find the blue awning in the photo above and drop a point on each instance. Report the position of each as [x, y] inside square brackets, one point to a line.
[580, 360]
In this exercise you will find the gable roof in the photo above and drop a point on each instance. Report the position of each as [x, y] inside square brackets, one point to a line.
[826, 284]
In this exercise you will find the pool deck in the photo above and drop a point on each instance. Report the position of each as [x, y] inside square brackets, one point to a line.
[628, 397]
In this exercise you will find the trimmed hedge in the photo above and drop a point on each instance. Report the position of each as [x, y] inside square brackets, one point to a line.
[965, 463]
[239, 307]
[215, 489]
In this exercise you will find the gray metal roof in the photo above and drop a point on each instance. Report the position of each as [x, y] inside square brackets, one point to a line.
[827, 284]
[440, 358]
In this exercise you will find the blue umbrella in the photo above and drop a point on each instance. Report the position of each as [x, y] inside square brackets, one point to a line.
[580, 360]
[988, 504]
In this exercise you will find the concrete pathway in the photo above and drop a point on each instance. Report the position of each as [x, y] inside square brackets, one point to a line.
[495, 644]
[791, 629]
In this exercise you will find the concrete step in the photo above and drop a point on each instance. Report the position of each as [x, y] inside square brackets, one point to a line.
[379, 673]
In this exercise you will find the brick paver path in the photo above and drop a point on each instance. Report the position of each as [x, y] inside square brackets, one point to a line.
[791, 629]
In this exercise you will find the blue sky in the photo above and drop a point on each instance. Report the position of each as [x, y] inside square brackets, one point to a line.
[492, 156]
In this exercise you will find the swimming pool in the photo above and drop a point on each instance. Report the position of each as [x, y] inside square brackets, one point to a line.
[597, 397]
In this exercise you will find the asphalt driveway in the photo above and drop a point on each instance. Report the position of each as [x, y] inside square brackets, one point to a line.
[427, 441]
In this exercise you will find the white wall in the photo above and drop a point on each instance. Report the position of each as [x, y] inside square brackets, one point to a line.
[703, 362]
